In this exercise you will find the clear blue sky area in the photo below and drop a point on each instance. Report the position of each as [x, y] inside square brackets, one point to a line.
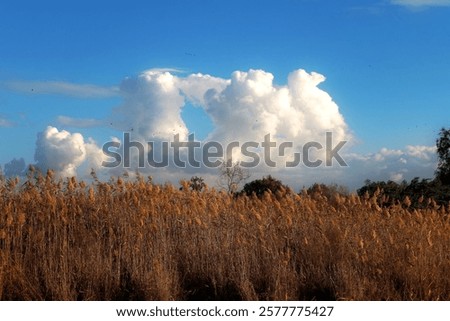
[387, 63]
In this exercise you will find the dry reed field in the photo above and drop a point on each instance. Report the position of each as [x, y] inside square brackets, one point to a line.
[135, 240]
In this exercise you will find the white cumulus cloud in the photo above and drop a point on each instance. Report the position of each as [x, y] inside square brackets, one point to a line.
[152, 106]
[64, 152]
[195, 86]
[396, 177]
[389, 164]
[245, 107]
[421, 152]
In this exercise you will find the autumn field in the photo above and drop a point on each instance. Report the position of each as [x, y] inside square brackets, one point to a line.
[135, 240]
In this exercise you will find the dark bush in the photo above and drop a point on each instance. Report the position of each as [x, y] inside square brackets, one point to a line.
[418, 191]
[266, 184]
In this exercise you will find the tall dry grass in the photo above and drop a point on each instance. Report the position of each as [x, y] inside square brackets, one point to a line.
[122, 240]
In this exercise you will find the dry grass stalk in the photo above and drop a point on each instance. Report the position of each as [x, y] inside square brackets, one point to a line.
[66, 240]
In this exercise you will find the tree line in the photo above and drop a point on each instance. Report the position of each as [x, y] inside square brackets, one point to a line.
[418, 193]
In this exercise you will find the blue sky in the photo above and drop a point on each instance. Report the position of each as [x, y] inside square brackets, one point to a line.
[386, 63]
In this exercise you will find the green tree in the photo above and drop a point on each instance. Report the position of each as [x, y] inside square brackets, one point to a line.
[443, 151]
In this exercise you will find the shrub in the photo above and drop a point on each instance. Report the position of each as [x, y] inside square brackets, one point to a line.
[266, 184]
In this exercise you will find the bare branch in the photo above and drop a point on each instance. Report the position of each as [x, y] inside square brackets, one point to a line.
[231, 177]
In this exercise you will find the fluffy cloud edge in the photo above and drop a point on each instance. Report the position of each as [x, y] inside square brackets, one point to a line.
[244, 107]
[65, 152]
